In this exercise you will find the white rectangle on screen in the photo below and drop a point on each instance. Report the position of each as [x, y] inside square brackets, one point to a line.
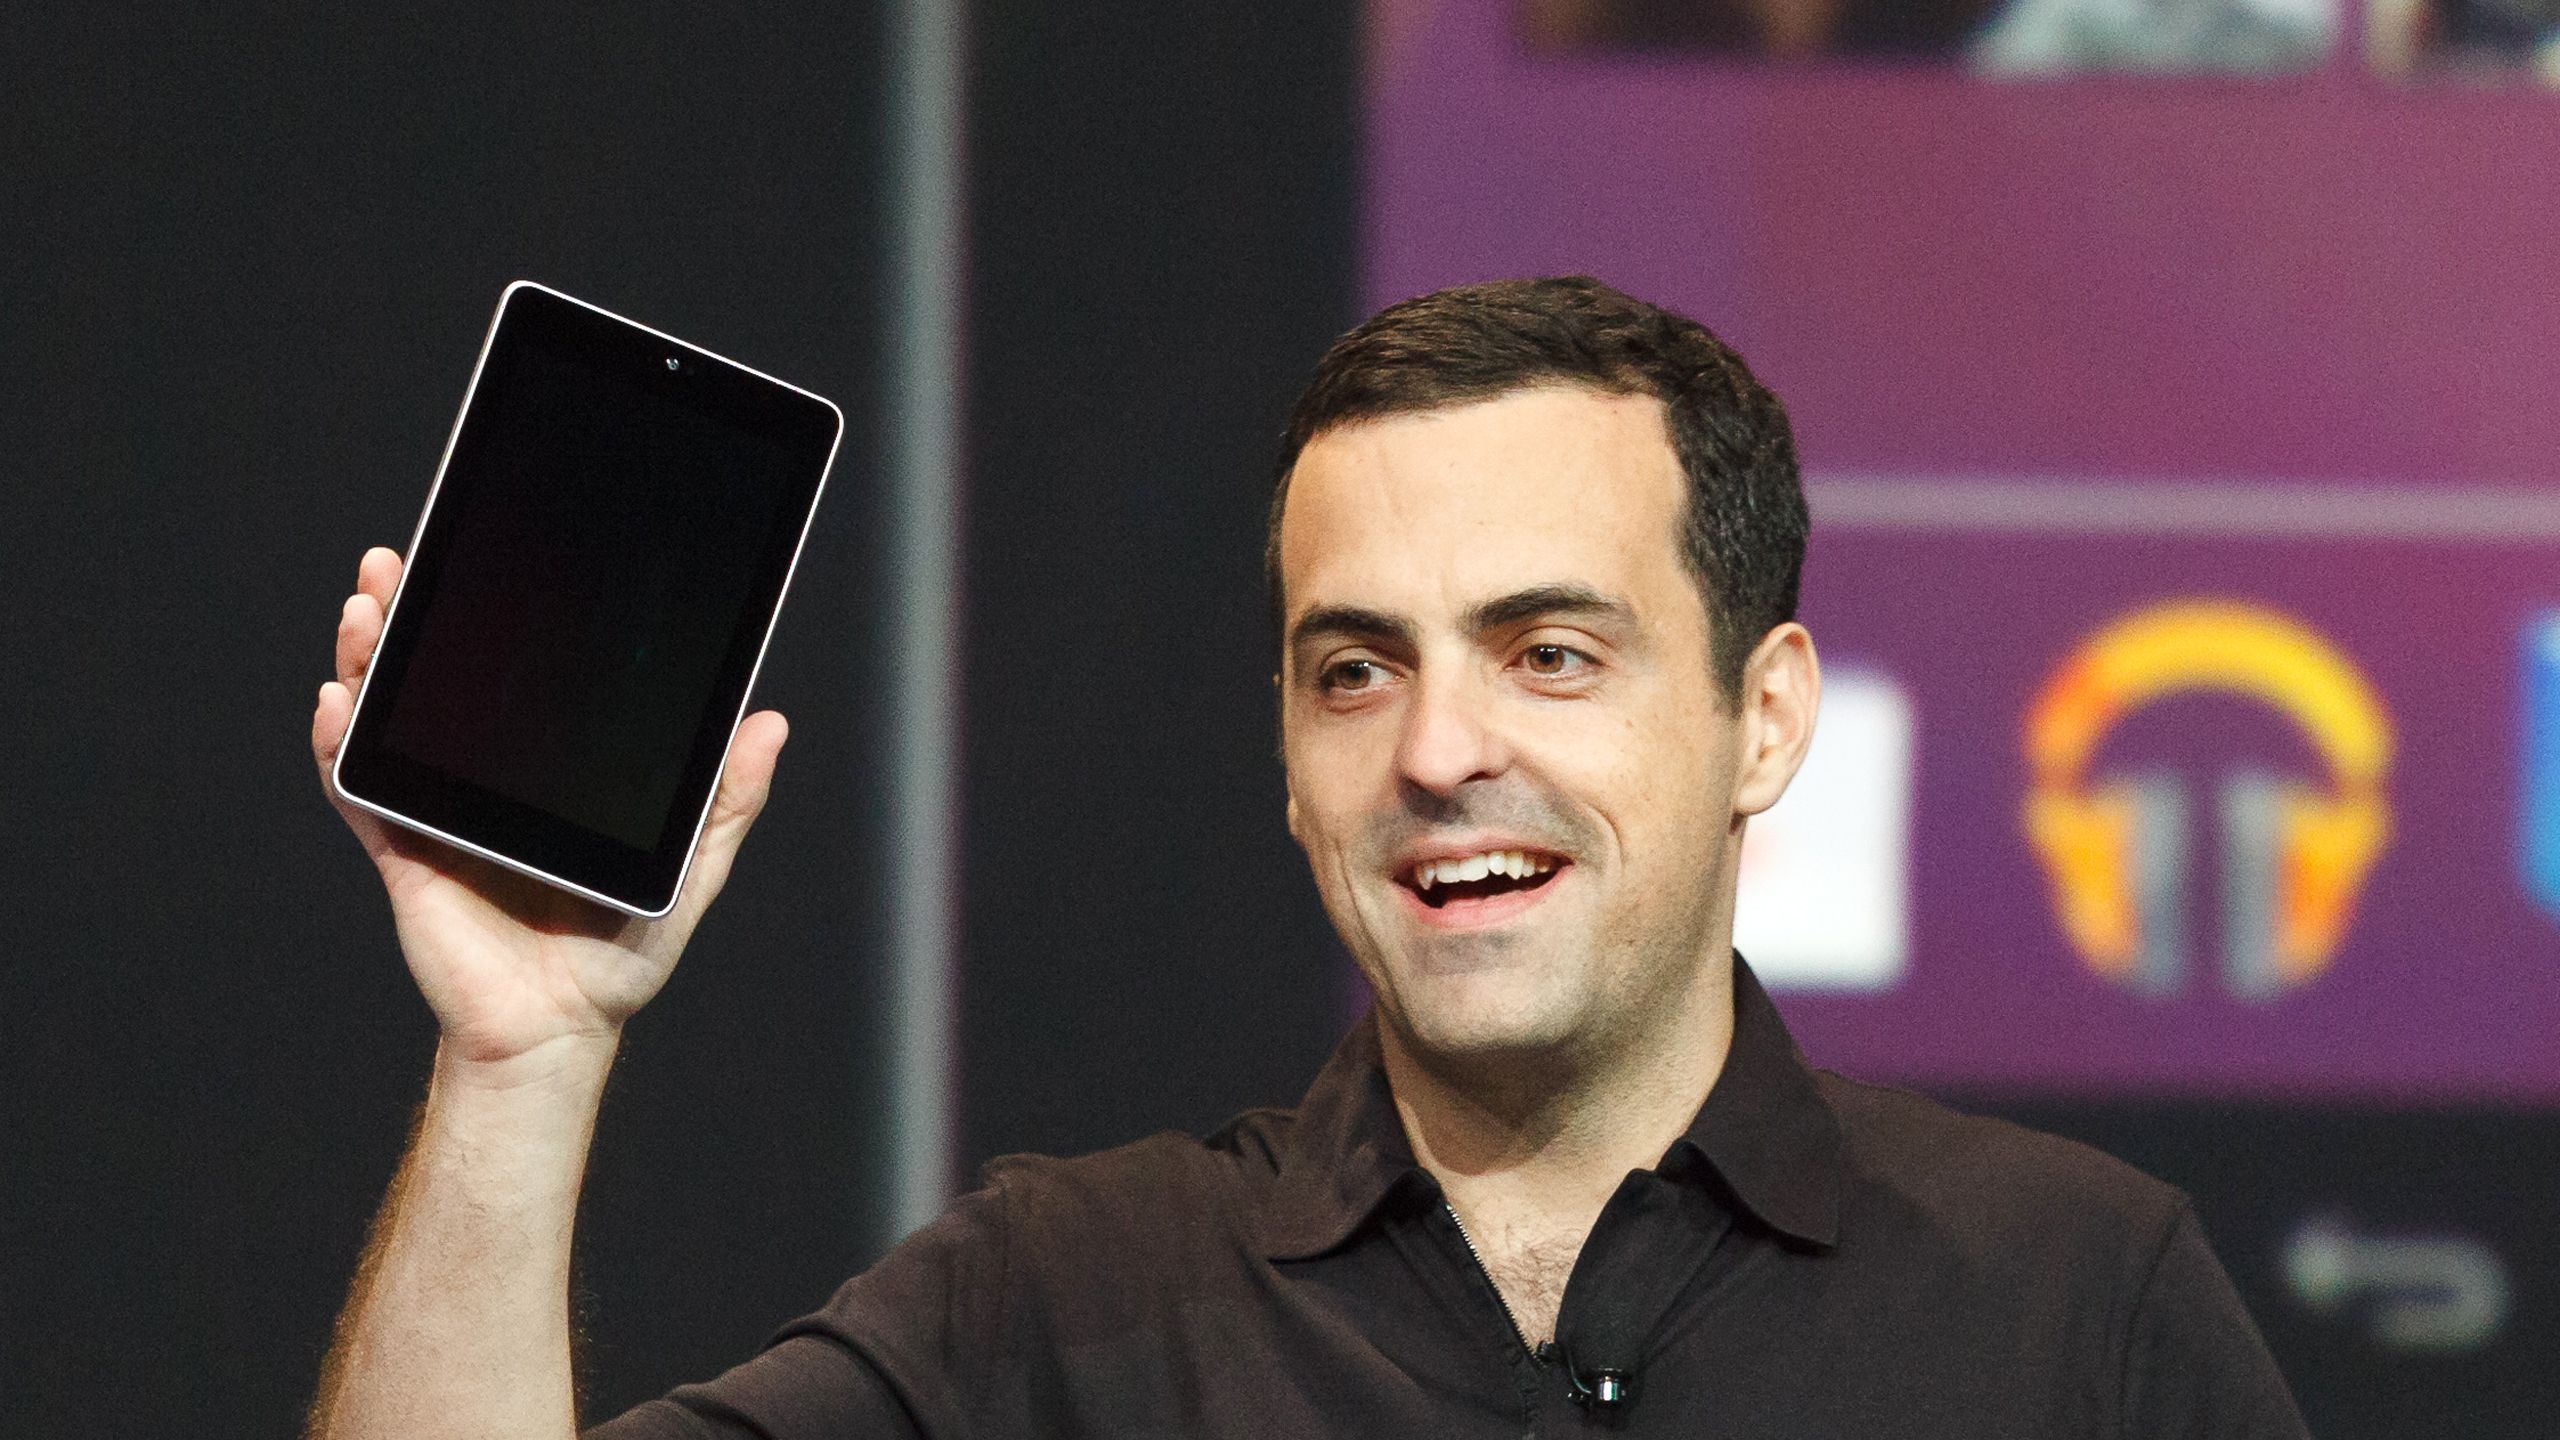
[1825, 893]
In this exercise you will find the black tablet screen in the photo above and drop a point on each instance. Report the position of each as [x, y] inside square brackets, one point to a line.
[603, 544]
[589, 596]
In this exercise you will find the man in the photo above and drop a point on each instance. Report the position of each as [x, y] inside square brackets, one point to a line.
[1533, 556]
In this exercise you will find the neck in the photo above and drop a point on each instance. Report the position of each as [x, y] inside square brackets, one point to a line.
[1542, 1140]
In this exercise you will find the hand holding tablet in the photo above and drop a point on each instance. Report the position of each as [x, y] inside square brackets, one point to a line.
[550, 686]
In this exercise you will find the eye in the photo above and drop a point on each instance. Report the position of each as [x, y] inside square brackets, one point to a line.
[1345, 677]
[1554, 661]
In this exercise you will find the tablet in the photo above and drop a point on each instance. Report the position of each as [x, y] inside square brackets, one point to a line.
[586, 600]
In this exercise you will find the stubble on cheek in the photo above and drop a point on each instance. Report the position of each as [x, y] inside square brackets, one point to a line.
[1363, 913]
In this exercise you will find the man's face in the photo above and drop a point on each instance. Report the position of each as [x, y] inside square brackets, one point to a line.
[1508, 761]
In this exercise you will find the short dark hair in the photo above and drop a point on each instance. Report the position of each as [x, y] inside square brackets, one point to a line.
[1742, 532]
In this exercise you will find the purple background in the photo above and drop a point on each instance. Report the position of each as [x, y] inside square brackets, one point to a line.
[2325, 279]
[2448, 983]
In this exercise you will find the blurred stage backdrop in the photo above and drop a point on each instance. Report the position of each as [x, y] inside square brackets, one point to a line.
[2176, 383]
[2176, 389]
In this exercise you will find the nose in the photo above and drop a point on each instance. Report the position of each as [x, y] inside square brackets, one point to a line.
[1447, 740]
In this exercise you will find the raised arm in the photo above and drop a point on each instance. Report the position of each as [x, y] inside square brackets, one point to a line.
[459, 1320]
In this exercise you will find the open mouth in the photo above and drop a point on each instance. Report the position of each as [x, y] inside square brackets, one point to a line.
[1457, 879]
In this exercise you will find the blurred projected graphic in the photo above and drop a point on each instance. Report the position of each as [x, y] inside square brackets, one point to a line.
[2437, 1294]
[2294, 856]
[1826, 871]
[2015, 35]
[2470, 40]
[2541, 798]
[2211, 800]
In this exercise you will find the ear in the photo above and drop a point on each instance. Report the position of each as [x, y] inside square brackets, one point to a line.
[1781, 690]
[1280, 695]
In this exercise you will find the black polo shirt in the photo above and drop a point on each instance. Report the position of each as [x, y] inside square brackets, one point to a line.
[1814, 1257]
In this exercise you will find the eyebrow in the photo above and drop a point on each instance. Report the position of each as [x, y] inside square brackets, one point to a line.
[1353, 622]
[1559, 600]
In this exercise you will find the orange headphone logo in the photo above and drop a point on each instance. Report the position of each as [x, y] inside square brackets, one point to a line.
[2294, 857]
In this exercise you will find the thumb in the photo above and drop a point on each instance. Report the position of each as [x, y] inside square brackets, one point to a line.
[745, 783]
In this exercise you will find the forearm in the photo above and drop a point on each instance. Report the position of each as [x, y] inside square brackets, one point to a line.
[459, 1322]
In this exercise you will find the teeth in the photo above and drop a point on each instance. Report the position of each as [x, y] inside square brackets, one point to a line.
[1517, 864]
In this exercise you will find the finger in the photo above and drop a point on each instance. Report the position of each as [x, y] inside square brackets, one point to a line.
[329, 731]
[378, 574]
[359, 626]
[747, 780]
[745, 784]
[329, 725]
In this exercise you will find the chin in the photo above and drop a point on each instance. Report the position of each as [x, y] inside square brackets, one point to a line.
[1485, 1017]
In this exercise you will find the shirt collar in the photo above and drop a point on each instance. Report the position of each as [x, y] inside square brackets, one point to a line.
[1344, 1155]
[1765, 1131]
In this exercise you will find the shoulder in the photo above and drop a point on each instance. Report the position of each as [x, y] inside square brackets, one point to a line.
[1140, 1181]
[1090, 1245]
[1923, 1169]
[1051, 1255]
[2013, 1255]
[1166, 1196]
[1155, 1214]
